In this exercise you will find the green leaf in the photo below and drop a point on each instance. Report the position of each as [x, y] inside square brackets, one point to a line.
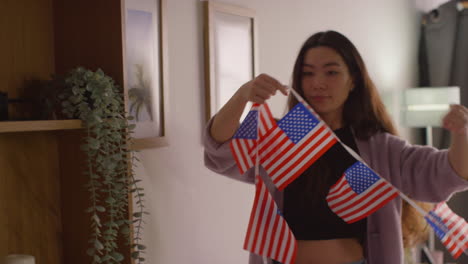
[96, 219]
[137, 214]
[97, 119]
[141, 247]
[110, 200]
[89, 87]
[100, 209]
[91, 251]
[117, 256]
[98, 245]
[135, 254]
[110, 233]
[125, 230]
[93, 143]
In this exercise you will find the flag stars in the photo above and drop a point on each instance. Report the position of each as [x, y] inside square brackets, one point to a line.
[360, 177]
[248, 128]
[298, 123]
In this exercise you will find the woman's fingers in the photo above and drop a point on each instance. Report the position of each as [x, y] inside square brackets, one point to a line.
[263, 92]
[275, 84]
[258, 99]
[284, 89]
[269, 83]
[262, 88]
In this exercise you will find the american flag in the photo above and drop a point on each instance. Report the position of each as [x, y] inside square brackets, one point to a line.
[268, 233]
[359, 193]
[244, 140]
[451, 229]
[290, 147]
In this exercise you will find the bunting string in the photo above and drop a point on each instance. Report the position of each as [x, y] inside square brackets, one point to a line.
[285, 149]
[449, 227]
[356, 156]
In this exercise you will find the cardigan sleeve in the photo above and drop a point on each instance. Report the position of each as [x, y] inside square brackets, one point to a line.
[425, 172]
[218, 157]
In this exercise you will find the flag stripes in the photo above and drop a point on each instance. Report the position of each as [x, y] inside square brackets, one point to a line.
[450, 228]
[353, 205]
[267, 121]
[243, 145]
[240, 149]
[294, 144]
[268, 233]
[285, 161]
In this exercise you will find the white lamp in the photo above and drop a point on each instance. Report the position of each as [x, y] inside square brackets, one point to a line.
[425, 107]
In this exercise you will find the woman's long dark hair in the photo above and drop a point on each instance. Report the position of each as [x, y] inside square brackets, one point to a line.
[363, 110]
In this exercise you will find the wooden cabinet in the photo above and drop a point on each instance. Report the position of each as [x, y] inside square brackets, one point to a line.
[42, 198]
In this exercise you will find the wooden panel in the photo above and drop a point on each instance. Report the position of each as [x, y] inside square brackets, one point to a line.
[76, 224]
[89, 33]
[23, 126]
[39, 37]
[75, 200]
[30, 196]
[27, 42]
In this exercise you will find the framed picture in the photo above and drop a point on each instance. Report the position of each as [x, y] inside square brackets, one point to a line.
[230, 53]
[146, 70]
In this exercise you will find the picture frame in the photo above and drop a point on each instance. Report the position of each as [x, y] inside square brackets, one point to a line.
[230, 52]
[145, 56]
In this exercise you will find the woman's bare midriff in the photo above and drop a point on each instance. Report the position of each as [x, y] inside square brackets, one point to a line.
[333, 251]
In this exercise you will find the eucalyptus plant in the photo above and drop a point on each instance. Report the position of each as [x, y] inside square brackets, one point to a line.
[94, 98]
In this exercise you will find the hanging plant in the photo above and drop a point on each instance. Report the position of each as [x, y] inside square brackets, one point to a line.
[97, 101]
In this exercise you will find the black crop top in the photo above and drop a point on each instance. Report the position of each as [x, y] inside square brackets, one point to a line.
[305, 208]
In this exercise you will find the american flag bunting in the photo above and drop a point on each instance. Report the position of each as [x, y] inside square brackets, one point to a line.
[268, 234]
[244, 141]
[451, 229]
[359, 193]
[295, 143]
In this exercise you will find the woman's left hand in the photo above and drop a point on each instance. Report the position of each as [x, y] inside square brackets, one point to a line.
[456, 120]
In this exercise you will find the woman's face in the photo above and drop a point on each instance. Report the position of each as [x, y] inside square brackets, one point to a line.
[326, 82]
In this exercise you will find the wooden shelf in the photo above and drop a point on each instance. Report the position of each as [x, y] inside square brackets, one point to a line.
[41, 198]
[25, 126]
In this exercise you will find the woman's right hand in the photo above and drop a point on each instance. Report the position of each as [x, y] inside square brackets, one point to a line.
[261, 89]
[258, 90]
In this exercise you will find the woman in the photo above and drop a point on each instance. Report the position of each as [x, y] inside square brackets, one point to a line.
[330, 75]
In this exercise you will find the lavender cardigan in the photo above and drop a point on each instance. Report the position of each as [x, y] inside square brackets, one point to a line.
[421, 172]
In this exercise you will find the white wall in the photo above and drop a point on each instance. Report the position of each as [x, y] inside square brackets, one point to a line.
[198, 216]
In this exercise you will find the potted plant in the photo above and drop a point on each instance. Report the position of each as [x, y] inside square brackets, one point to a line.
[94, 98]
